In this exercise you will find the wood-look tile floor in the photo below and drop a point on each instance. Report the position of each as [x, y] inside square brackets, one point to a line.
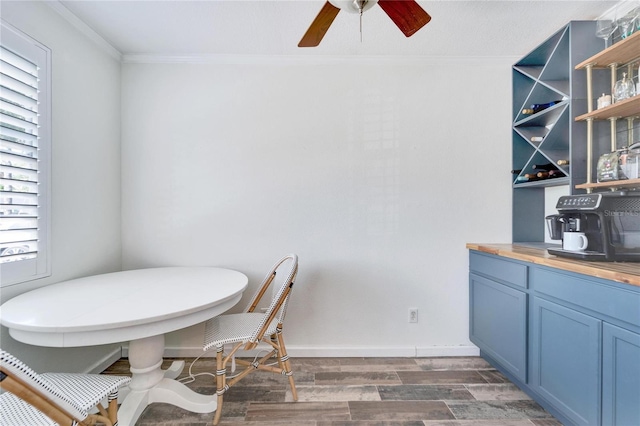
[460, 391]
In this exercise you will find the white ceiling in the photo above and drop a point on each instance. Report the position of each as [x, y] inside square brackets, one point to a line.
[274, 27]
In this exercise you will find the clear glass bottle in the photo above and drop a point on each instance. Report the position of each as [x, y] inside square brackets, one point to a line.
[623, 89]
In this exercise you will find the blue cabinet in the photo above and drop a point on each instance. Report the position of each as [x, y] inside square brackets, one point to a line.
[571, 341]
[498, 320]
[620, 376]
[565, 360]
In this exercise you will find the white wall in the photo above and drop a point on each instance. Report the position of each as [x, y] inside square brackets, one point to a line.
[376, 172]
[85, 173]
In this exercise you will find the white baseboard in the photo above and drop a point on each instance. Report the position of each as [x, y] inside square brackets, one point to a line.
[438, 351]
[351, 351]
[339, 351]
[104, 362]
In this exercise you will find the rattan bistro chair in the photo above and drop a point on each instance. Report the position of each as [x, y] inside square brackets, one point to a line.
[246, 330]
[32, 399]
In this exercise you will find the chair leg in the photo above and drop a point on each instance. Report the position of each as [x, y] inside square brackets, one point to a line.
[112, 409]
[221, 384]
[95, 419]
[284, 360]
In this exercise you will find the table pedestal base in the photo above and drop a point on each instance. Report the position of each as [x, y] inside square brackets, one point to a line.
[149, 383]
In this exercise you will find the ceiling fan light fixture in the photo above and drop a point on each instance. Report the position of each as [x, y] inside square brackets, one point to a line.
[354, 6]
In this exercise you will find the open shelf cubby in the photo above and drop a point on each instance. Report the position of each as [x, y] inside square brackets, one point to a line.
[544, 75]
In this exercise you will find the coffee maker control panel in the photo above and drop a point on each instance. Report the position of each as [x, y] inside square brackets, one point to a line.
[579, 202]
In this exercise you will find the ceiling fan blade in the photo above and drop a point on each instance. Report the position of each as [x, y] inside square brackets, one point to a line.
[406, 14]
[319, 26]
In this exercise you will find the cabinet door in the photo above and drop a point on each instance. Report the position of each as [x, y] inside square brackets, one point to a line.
[565, 360]
[498, 323]
[620, 376]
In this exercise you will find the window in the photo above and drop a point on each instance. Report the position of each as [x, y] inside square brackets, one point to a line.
[25, 157]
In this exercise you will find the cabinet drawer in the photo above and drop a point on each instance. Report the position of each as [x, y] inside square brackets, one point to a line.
[507, 271]
[616, 302]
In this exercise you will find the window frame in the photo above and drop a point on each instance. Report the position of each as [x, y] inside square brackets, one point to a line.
[21, 271]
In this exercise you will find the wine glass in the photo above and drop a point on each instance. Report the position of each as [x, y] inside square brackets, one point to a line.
[625, 22]
[605, 28]
[636, 25]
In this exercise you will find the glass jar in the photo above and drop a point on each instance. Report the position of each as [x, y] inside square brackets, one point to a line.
[623, 89]
[632, 164]
[630, 161]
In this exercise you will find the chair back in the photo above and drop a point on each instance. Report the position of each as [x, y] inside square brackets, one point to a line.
[19, 379]
[281, 278]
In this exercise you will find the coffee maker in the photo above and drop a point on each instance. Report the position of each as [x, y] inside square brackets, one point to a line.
[610, 222]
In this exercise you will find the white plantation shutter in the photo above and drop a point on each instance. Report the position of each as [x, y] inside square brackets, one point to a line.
[25, 152]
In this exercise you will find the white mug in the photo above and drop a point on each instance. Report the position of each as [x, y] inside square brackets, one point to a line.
[574, 241]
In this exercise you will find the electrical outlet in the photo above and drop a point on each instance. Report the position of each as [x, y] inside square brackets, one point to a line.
[413, 314]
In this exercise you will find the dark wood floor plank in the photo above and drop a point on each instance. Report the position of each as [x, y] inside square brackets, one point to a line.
[399, 410]
[372, 423]
[471, 410]
[298, 411]
[424, 392]
[440, 377]
[357, 378]
[492, 422]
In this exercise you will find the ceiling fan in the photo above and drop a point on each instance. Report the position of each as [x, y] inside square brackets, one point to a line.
[406, 14]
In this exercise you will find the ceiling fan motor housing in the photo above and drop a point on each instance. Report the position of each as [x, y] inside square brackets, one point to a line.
[354, 6]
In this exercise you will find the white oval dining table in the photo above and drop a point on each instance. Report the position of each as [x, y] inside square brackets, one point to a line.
[138, 306]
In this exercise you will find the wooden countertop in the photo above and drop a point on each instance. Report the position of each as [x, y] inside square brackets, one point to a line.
[622, 272]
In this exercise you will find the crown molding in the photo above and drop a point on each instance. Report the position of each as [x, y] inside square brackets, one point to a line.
[84, 29]
[303, 59]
